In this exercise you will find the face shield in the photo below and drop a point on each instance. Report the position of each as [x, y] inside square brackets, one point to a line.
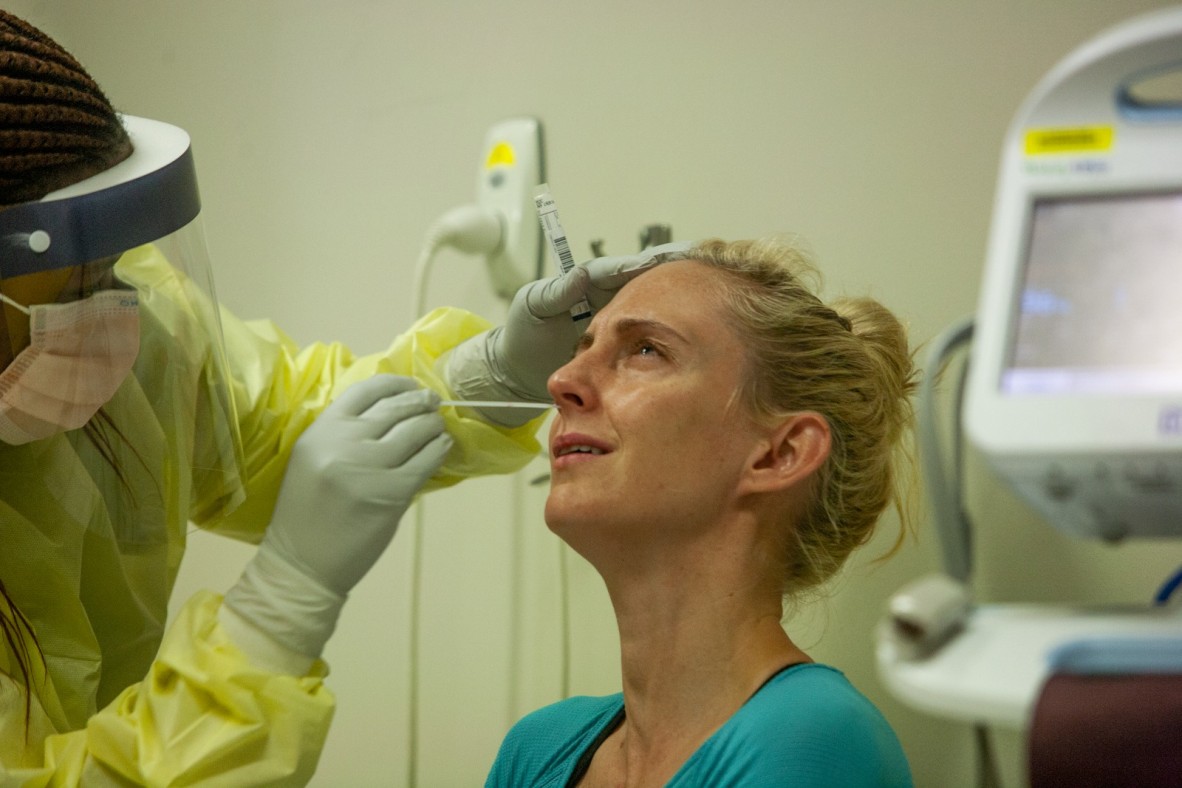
[117, 424]
[101, 283]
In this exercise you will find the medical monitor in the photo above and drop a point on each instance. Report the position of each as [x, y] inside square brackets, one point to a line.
[1076, 395]
[1075, 373]
[1099, 305]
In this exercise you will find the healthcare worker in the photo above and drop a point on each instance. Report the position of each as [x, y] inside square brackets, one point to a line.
[130, 406]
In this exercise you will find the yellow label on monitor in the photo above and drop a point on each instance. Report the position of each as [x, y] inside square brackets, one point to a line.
[501, 154]
[1079, 139]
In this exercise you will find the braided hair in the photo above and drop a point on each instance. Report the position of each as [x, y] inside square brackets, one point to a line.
[56, 125]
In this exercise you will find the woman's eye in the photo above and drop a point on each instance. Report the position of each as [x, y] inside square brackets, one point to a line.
[647, 349]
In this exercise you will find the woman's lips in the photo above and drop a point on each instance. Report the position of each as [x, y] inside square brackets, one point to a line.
[573, 447]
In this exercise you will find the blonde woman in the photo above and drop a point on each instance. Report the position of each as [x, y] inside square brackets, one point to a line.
[723, 438]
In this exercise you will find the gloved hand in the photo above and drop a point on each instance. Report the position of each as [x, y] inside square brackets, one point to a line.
[514, 361]
[351, 477]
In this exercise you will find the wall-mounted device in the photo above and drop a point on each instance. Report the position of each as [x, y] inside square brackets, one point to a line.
[512, 167]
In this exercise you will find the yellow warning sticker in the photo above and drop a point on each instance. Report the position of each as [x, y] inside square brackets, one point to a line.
[1080, 139]
[502, 154]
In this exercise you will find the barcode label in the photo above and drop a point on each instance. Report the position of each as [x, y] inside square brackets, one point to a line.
[565, 259]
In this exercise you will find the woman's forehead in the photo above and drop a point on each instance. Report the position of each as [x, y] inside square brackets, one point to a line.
[685, 284]
[683, 295]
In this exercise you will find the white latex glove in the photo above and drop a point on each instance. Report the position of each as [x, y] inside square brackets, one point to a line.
[514, 361]
[351, 477]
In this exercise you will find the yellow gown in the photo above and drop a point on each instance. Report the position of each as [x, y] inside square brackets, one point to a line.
[92, 534]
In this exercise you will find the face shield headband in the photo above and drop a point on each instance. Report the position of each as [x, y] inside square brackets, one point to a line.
[149, 195]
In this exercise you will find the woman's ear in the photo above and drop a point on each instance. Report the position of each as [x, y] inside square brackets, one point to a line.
[790, 454]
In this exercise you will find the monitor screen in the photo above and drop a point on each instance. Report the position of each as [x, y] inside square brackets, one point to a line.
[1100, 309]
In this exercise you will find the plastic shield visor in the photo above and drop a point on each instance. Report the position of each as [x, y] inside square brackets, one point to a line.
[134, 227]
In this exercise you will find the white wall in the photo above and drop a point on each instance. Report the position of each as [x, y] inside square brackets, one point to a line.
[328, 137]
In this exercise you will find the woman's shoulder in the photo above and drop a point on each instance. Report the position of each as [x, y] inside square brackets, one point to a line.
[544, 745]
[808, 725]
[807, 683]
[815, 698]
[568, 716]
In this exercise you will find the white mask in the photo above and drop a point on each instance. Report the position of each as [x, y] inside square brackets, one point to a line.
[79, 354]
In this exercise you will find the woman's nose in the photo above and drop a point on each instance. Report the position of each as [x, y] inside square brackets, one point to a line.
[569, 385]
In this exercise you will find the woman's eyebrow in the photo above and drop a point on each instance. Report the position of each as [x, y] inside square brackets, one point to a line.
[627, 326]
[637, 325]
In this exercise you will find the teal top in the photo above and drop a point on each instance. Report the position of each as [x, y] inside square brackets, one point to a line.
[806, 726]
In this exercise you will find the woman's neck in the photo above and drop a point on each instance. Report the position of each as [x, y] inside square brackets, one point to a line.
[697, 643]
[697, 639]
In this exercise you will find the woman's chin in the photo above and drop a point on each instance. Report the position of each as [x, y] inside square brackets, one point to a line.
[566, 516]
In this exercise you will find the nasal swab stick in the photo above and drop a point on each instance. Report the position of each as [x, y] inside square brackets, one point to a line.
[559, 248]
[477, 403]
